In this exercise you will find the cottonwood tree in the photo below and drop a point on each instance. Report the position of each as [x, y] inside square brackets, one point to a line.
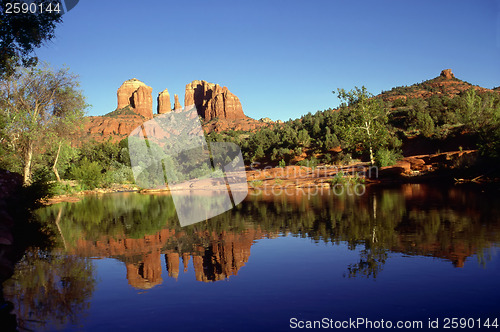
[40, 106]
[363, 122]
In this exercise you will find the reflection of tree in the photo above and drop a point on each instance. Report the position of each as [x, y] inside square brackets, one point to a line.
[110, 215]
[447, 223]
[51, 288]
[371, 262]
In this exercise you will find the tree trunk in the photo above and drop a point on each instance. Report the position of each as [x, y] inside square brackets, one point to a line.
[367, 127]
[372, 160]
[58, 219]
[54, 167]
[27, 164]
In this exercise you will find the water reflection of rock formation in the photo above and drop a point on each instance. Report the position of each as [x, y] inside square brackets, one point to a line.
[145, 273]
[215, 256]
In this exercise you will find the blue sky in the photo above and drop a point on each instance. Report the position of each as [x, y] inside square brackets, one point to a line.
[281, 58]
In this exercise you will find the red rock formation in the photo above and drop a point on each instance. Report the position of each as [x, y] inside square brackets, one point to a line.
[219, 125]
[213, 101]
[146, 274]
[172, 261]
[137, 95]
[445, 84]
[126, 90]
[446, 73]
[221, 256]
[142, 101]
[177, 104]
[164, 102]
[103, 127]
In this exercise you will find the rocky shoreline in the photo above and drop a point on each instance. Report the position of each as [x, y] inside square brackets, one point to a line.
[421, 168]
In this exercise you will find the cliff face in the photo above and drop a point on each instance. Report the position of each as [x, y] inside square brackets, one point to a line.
[126, 90]
[213, 101]
[164, 102]
[142, 101]
[137, 95]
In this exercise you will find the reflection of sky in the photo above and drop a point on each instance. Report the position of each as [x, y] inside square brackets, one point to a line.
[295, 277]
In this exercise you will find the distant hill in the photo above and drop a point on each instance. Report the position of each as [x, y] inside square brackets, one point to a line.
[445, 84]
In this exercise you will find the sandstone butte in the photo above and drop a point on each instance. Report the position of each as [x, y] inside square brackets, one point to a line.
[217, 106]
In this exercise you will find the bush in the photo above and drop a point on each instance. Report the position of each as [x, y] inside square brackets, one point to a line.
[88, 173]
[385, 157]
[121, 174]
[256, 183]
[489, 142]
[425, 124]
[342, 178]
[400, 102]
[342, 158]
[309, 162]
[40, 188]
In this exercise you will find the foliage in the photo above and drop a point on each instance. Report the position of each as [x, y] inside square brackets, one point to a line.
[342, 178]
[309, 162]
[385, 157]
[21, 34]
[50, 287]
[364, 121]
[256, 183]
[342, 158]
[89, 173]
[36, 105]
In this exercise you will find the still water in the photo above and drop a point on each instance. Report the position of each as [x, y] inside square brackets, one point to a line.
[407, 253]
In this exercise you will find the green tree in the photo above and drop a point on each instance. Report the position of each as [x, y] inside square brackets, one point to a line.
[331, 140]
[474, 113]
[364, 121]
[303, 138]
[36, 104]
[21, 34]
[259, 153]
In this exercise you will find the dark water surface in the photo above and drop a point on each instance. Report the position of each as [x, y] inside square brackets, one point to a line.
[123, 263]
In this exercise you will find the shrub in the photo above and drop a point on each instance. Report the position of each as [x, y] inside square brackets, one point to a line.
[88, 173]
[489, 142]
[256, 183]
[342, 158]
[342, 178]
[385, 157]
[309, 162]
[122, 174]
[400, 102]
[425, 124]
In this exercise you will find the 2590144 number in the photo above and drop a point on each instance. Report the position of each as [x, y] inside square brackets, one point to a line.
[31, 8]
[462, 323]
